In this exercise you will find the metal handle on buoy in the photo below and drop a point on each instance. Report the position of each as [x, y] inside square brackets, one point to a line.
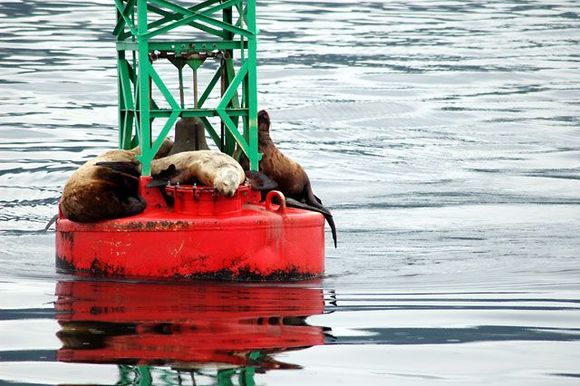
[275, 207]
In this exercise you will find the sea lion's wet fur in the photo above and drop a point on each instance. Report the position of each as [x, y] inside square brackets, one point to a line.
[290, 176]
[211, 168]
[189, 135]
[94, 193]
[100, 190]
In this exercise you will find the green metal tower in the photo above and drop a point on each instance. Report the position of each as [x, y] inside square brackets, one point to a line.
[218, 36]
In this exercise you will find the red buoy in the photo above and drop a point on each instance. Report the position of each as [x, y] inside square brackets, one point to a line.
[201, 235]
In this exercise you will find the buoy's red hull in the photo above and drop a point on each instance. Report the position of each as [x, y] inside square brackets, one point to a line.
[206, 236]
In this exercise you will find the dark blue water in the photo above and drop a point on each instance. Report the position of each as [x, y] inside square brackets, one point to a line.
[445, 137]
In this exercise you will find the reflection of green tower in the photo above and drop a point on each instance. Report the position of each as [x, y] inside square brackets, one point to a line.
[222, 30]
[142, 375]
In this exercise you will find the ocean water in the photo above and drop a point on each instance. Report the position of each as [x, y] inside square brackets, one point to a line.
[443, 135]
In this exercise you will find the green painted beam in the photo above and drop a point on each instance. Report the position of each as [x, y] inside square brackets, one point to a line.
[167, 16]
[173, 16]
[237, 72]
[188, 113]
[181, 20]
[211, 85]
[212, 132]
[124, 13]
[124, 19]
[184, 45]
[143, 76]
[254, 155]
[206, 19]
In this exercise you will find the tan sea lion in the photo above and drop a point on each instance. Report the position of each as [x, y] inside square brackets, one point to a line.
[189, 135]
[289, 175]
[211, 168]
[96, 192]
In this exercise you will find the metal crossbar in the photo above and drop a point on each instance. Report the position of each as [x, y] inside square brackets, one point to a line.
[143, 35]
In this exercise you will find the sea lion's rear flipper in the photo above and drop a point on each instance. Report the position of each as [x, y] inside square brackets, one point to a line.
[50, 222]
[127, 167]
[260, 181]
[317, 199]
[299, 204]
[313, 201]
[330, 220]
[133, 206]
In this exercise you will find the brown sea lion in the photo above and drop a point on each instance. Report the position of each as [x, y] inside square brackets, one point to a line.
[97, 192]
[189, 135]
[94, 193]
[289, 175]
[211, 168]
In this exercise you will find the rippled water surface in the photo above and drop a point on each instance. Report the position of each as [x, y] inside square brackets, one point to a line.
[445, 137]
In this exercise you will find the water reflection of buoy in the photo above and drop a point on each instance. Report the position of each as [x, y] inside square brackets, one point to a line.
[185, 326]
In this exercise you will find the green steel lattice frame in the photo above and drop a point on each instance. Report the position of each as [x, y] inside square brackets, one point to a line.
[138, 44]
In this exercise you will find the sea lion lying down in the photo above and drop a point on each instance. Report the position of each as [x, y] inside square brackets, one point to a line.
[94, 192]
[211, 168]
[107, 187]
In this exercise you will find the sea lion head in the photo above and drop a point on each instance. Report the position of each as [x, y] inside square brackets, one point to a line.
[164, 149]
[227, 182]
[263, 121]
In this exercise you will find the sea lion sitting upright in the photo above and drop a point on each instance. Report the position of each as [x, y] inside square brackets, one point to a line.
[96, 192]
[290, 176]
[189, 135]
[211, 168]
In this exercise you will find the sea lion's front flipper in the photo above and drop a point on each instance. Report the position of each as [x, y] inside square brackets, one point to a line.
[183, 177]
[260, 181]
[163, 177]
[156, 183]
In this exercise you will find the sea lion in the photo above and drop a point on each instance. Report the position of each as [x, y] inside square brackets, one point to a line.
[189, 135]
[290, 176]
[211, 168]
[96, 191]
